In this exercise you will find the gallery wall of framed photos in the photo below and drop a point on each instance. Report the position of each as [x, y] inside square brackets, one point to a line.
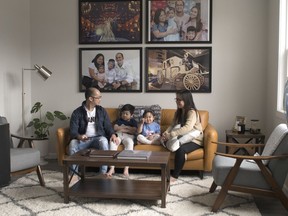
[161, 45]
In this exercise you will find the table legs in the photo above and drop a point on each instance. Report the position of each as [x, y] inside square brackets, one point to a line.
[66, 183]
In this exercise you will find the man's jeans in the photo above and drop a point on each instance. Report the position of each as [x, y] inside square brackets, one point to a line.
[99, 142]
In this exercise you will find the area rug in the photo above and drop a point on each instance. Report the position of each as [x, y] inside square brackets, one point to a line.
[188, 196]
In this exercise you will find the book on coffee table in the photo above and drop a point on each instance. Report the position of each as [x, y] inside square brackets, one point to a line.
[103, 153]
[134, 154]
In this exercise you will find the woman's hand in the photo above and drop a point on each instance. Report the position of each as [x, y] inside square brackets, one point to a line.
[165, 136]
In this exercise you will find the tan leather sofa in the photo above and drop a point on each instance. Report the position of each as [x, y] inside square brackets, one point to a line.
[200, 159]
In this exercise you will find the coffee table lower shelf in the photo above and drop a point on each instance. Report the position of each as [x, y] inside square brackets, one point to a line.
[117, 188]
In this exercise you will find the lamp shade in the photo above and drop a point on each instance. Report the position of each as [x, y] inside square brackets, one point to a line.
[43, 71]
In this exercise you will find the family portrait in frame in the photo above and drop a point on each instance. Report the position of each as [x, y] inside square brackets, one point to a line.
[179, 21]
[106, 21]
[167, 69]
[110, 69]
[170, 69]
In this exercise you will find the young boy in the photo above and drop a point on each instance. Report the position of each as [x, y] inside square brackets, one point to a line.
[125, 128]
[191, 33]
[110, 74]
[148, 129]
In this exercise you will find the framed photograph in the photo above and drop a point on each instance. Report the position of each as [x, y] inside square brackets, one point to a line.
[106, 21]
[179, 21]
[239, 120]
[111, 69]
[172, 68]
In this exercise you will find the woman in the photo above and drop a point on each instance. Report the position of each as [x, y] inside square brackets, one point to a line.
[185, 133]
[160, 26]
[92, 79]
[94, 66]
[195, 20]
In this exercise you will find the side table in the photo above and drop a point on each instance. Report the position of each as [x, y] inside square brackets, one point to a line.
[234, 137]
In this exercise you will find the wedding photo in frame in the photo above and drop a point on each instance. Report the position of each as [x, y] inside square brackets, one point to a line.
[170, 69]
[110, 69]
[179, 21]
[106, 21]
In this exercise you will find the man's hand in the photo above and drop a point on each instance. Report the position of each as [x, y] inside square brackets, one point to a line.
[114, 139]
[82, 137]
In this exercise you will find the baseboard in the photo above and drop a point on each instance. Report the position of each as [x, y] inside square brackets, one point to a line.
[51, 156]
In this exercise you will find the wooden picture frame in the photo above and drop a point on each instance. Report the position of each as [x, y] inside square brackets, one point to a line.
[169, 69]
[124, 73]
[239, 120]
[106, 21]
[179, 21]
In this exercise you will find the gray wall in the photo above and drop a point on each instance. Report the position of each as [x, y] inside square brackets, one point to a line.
[244, 62]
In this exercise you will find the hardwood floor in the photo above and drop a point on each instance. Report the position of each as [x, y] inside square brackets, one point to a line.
[267, 206]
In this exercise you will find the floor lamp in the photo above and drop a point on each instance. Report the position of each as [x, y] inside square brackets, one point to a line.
[45, 73]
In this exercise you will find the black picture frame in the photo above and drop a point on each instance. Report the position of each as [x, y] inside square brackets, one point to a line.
[106, 22]
[127, 78]
[169, 69]
[199, 28]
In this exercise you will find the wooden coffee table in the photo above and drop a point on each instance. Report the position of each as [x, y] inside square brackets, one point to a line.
[118, 188]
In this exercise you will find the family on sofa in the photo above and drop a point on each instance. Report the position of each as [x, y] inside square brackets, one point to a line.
[185, 134]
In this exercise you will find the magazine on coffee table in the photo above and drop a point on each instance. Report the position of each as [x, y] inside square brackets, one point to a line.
[103, 153]
[134, 154]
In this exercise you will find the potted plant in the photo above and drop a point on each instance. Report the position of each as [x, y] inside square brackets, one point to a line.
[42, 124]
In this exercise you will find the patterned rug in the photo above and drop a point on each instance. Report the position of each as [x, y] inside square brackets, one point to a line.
[188, 196]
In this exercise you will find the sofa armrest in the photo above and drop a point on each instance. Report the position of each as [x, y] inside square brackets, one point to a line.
[210, 136]
[63, 139]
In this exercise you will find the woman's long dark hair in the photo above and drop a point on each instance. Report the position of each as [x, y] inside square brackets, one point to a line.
[157, 15]
[199, 24]
[94, 60]
[189, 104]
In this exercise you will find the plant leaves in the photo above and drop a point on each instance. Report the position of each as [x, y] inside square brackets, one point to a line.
[37, 106]
[50, 116]
[41, 125]
[60, 115]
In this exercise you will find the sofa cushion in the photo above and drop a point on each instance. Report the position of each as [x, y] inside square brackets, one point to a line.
[139, 110]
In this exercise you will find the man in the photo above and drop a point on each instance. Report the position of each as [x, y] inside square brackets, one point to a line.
[124, 73]
[180, 17]
[90, 126]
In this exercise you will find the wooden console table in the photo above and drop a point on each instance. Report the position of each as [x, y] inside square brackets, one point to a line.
[118, 188]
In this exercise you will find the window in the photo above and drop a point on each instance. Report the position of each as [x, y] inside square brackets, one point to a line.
[283, 53]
